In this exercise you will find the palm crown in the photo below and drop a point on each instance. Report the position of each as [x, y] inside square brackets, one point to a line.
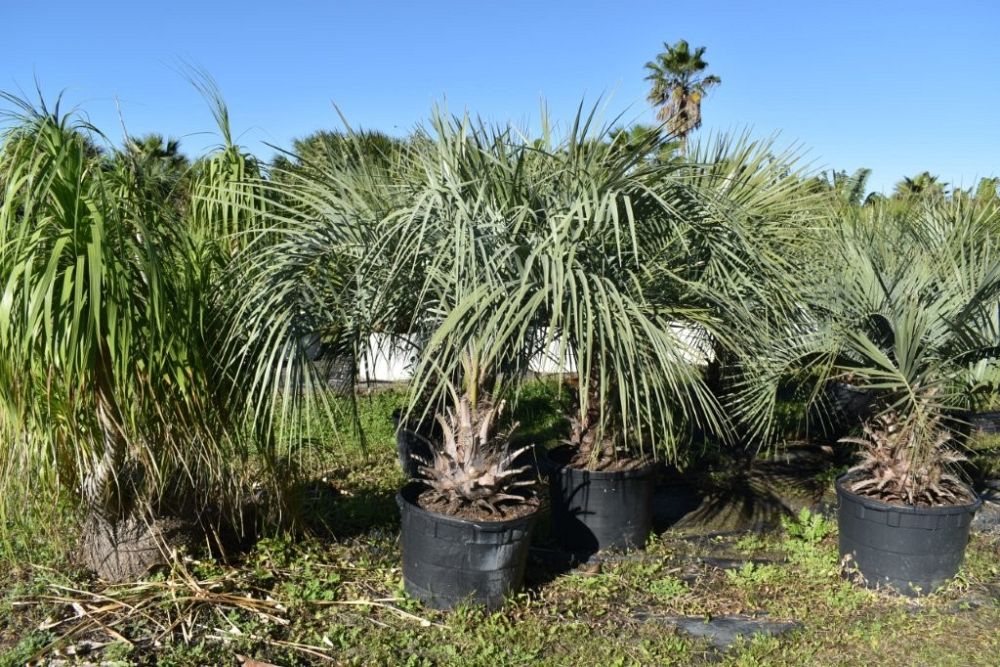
[678, 85]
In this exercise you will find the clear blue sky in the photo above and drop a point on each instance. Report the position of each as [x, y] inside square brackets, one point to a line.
[896, 86]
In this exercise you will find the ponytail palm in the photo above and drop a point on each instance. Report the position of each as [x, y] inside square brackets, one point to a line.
[110, 382]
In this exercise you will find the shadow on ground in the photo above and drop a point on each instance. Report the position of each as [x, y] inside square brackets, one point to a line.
[746, 494]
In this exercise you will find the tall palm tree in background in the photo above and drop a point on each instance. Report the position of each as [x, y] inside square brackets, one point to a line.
[678, 85]
[923, 184]
[852, 189]
[846, 189]
[325, 149]
[154, 148]
[159, 166]
[988, 190]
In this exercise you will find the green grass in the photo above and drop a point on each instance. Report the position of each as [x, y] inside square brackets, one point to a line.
[338, 598]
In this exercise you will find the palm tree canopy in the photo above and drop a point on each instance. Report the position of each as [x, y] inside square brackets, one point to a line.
[923, 184]
[904, 301]
[678, 85]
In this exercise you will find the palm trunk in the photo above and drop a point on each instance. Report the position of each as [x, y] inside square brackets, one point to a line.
[593, 441]
[101, 490]
[119, 541]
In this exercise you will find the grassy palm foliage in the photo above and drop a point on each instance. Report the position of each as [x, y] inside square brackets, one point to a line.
[758, 223]
[307, 279]
[113, 384]
[589, 243]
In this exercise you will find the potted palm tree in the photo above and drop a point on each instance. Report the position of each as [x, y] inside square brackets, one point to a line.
[644, 271]
[468, 512]
[594, 247]
[557, 238]
[468, 515]
[909, 314]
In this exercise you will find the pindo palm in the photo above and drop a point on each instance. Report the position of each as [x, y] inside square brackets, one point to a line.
[907, 308]
[474, 465]
[887, 469]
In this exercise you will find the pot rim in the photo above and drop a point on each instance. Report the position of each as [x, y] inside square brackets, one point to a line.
[565, 468]
[875, 504]
[406, 498]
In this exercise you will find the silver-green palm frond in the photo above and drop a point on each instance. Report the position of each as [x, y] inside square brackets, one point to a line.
[905, 305]
[581, 242]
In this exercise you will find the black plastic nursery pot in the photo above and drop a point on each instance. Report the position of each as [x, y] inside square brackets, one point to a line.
[410, 442]
[597, 510]
[448, 560]
[913, 550]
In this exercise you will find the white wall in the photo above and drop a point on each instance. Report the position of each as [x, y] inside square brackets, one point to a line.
[386, 362]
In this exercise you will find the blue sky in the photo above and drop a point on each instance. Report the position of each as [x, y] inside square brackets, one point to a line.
[895, 86]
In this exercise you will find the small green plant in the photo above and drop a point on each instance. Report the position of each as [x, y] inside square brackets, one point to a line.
[846, 596]
[119, 652]
[753, 575]
[808, 526]
[312, 585]
[750, 543]
[22, 652]
[668, 587]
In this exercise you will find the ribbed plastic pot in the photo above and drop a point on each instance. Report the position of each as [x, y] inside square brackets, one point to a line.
[597, 510]
[408, 442]
[913, 550]
[448, 560]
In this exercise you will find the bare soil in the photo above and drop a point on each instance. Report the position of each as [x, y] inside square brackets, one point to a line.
[432, 502]
[963, 493]
[580, 461]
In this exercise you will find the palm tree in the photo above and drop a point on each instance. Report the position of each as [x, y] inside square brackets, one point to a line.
[587, 243]
[904, 301]
[988, 191]
[852, 189]
[754, 230]
[152, 148]
[158, 166]
[678, 85]
[115, 385]
[923, 185]
[334, 147]
[846, 189]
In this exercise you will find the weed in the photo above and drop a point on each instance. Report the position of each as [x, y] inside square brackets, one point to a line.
[751, 543]
[22, 652]
[752, 575]
[808, 526]
[667, 588]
